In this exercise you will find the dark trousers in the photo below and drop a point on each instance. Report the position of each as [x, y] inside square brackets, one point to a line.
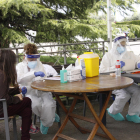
[24, 110]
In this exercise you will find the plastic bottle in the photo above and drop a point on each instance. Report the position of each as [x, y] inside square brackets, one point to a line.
[118, 68]
[76, 62]
[63, 75]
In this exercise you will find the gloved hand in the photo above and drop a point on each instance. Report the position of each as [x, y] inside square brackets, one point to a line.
[122, 63]
[24, 90]
[39, 73]
[138, 65]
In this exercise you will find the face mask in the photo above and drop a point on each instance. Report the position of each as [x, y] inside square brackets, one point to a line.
[120, 49]
[32, 64]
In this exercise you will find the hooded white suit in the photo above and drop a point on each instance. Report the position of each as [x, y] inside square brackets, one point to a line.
[43, 104]
[123, 95]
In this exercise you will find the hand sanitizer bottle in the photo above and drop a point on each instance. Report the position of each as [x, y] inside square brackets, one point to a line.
[63, 75]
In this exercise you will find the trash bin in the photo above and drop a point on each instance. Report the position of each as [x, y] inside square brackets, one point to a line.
[91, 62]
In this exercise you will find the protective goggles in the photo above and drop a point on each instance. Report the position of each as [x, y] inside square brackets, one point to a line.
[120, 38]
[33, 57]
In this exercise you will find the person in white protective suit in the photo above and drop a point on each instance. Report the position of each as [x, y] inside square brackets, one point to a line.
[128, 61]
[50, 71]
[43, 104]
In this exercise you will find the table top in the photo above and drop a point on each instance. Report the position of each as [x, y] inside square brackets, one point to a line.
[94, 84]
[135, 77]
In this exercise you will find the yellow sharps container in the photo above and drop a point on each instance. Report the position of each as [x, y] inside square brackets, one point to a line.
[91, 62]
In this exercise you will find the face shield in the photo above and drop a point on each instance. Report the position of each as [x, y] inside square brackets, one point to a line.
[121, 47]
[120, 43]
[32, 60]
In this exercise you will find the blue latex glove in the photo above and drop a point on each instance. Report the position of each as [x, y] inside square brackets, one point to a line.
[138, 65]
[24, 90]
[122, 63]
[39, 73]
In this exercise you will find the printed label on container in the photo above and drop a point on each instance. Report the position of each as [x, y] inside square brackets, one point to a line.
[117, 66]
[65, 76]
[82, 63]
[84, 72]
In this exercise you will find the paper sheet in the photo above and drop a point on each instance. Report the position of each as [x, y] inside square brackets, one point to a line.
[53, 78]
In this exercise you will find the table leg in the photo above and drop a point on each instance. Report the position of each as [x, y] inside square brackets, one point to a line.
[98, 119]
[102, 100]
[65, 120]
[70, 118]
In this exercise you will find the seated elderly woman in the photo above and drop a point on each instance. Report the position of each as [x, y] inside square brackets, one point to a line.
[129, 61]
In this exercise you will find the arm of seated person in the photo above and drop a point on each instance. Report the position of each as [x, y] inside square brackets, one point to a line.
[14, 91]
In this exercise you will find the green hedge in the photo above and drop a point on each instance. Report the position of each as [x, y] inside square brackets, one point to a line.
[53, 59]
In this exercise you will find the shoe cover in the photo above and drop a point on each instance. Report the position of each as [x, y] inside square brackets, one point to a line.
[57, 118]
[43, 129]
[117, 117]
[133, 118]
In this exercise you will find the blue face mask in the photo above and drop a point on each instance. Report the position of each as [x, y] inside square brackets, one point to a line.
[32, 64]
[120, 49]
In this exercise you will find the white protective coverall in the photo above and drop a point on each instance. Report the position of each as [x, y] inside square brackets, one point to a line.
[50, 70]
[43, 104]
[123, 95]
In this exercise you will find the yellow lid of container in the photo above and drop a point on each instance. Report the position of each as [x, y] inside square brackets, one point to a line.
[88, 55]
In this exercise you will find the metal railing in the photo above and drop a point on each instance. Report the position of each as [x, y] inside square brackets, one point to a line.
[64, 51]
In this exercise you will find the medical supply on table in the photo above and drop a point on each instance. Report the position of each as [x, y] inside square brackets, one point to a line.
[137, 72]
[73, 73]
[63, 75]
[123, 72]
[113, 74]
[91, 63]
[118, 68]
[72, 78]
[76, 62]
[83, 69]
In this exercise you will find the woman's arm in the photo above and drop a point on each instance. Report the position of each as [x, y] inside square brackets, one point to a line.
[14, 91]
